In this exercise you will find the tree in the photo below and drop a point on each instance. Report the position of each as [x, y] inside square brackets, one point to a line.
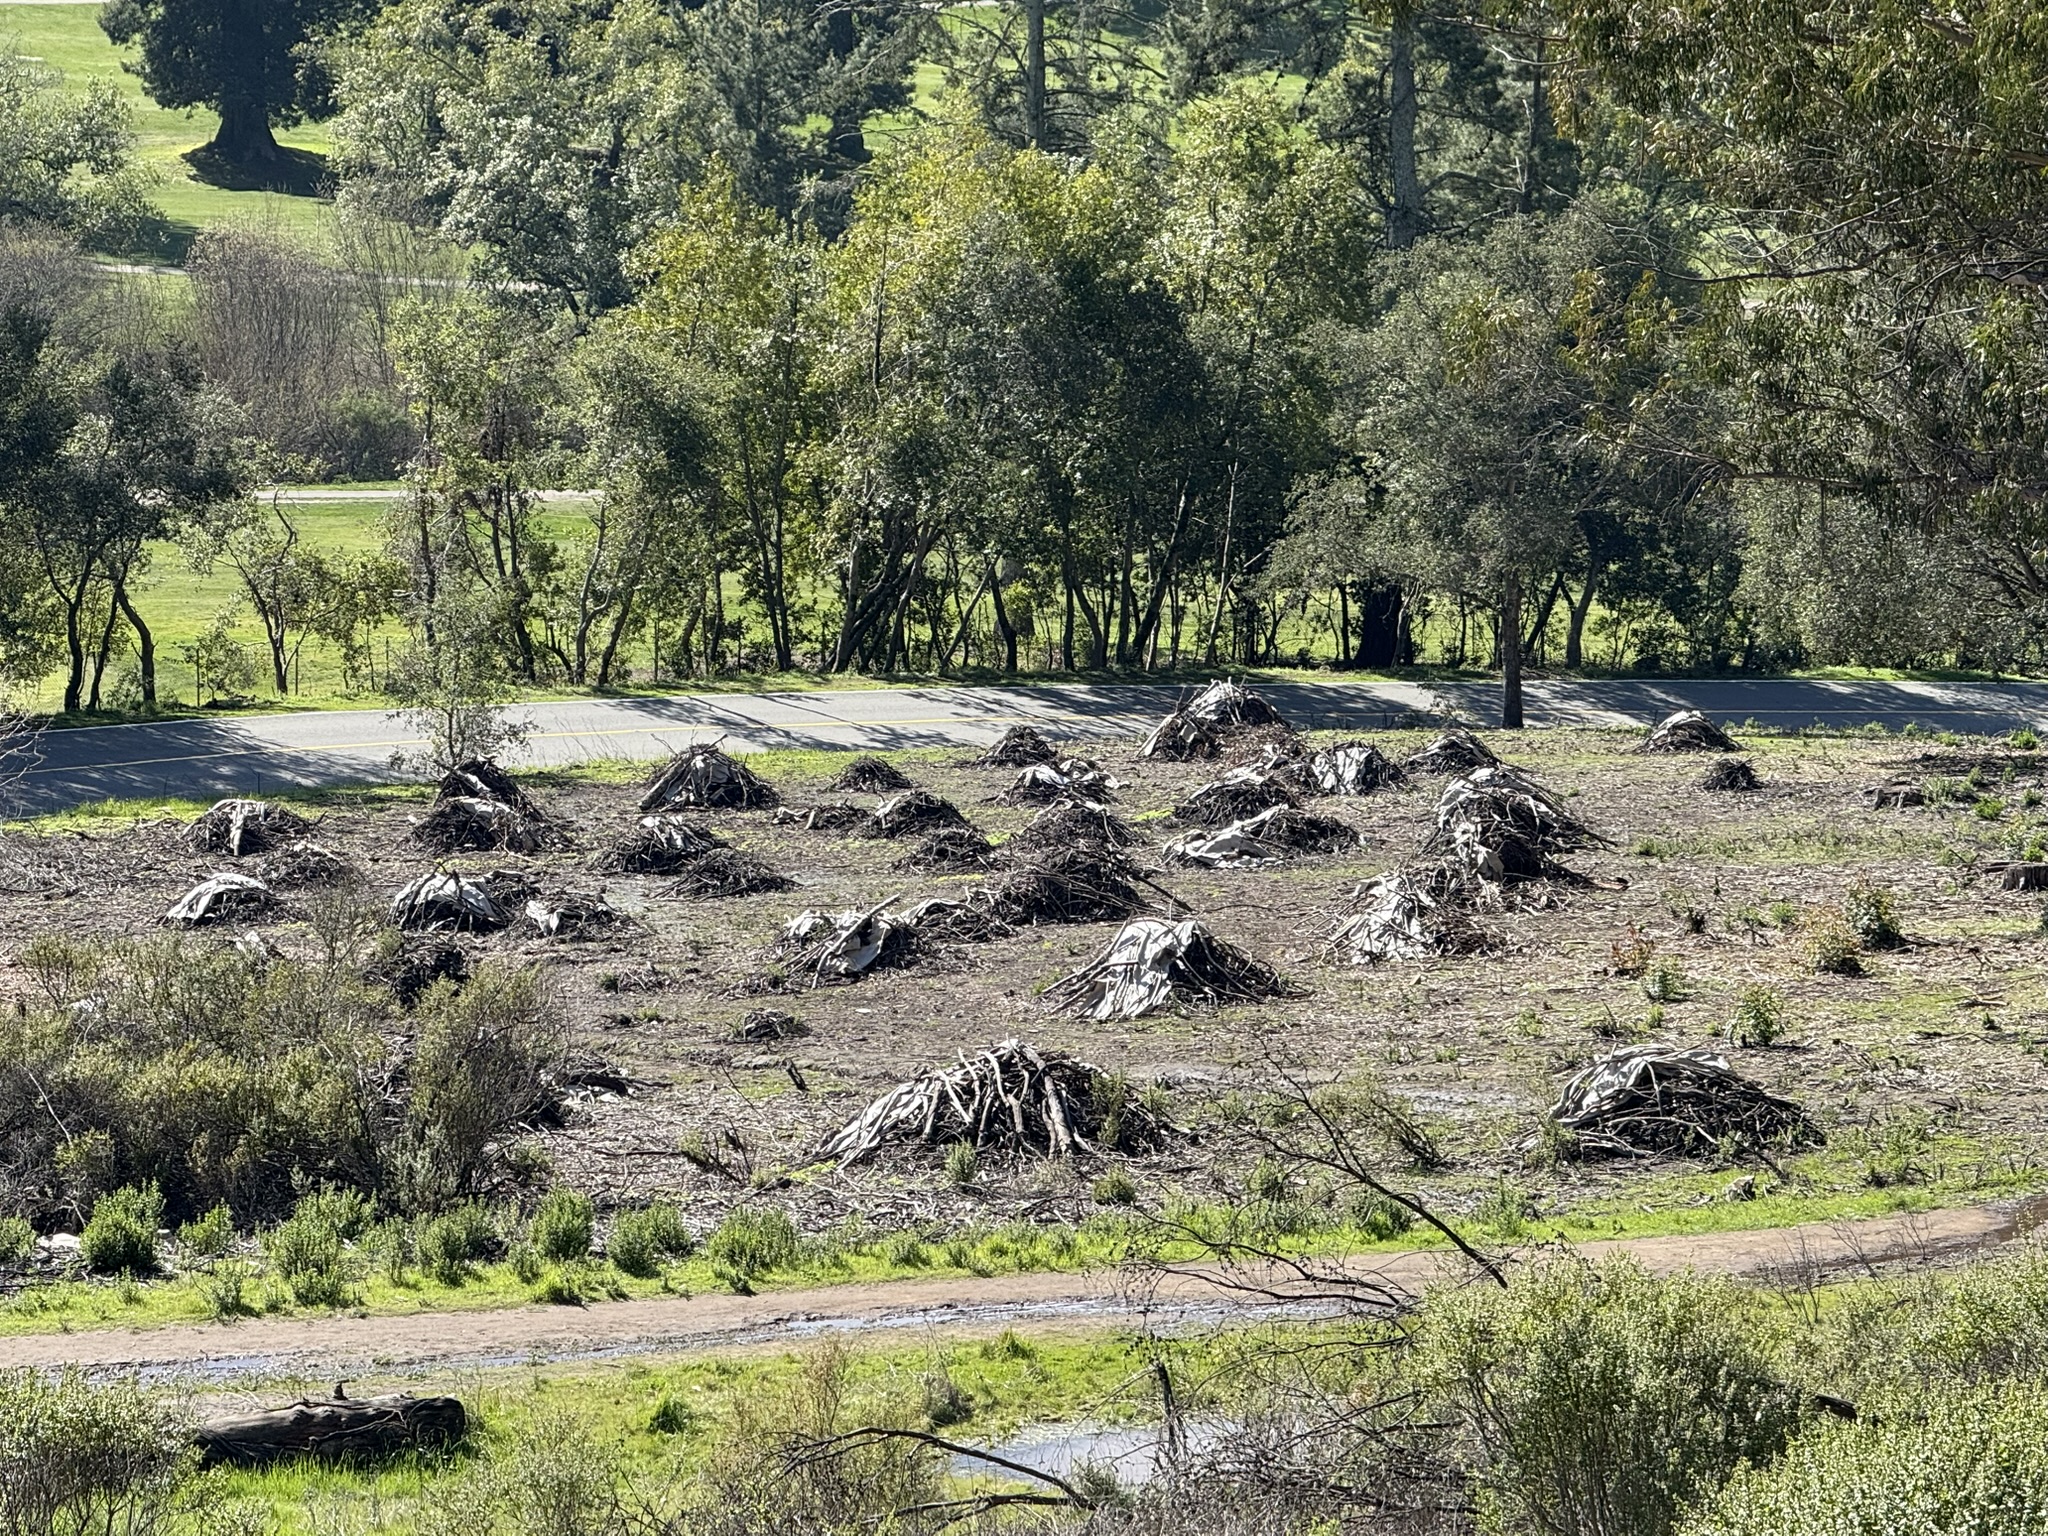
[450, 686]
[252, 61]
[68, 161]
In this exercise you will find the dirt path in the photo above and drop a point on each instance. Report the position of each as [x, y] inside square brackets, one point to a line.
[343, 1346]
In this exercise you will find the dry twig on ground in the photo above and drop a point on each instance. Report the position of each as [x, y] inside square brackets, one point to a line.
[1151, 965]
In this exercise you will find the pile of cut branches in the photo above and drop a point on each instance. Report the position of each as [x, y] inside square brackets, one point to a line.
[415, 965]
[1409, 914]
[303, 863]
[1648, 1099]
[1352, 768]
[704, 778]
[1072, 778]
[659, 845]
[1687, 731]
[912, 814]
[1240, 793]
[1222, 712]
[1230, 709]
[1070, 823]
[482, 779]
[221, 896]
[1151, 965]
[968, 922]
[723, 871]
[1730, 774]
[1456, 751]
[459, 822]
[1274, 834]
[1065, 885]
[443, 902]
[1010, 1098]
[950, 850]
[870, 775]
[573, 915]
[826, 816]
[1503, 825]
[826, 948]
[1019, 747]
[238, 828]
[1895, 794]
[1181, 738]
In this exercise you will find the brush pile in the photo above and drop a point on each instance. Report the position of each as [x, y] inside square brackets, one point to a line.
[1501, 825]
[660, 845]
[219, 897]
[1071, 824]
[1687, 731]
[238, 828]
[1267, 838]
[723, 871]
[1181, 738]
[826, 816]
[1071, 778]
[1220, 713]
[1648, 1099]
[827, 948]
[304, 863]
[1409, 914]
[415, 965]
[1240, 793]
[1019, 747]
[1353, 768]
[1065, 885]
[912, 814]
[1727, 774]
[704, 778]
[447, 903]
[482, 779]
[459, 822]
[966, 922]
[1895, 794]
[573, 915]
[1152, 965]
[1456, 751]
[870, 775]
[1010, 1098]
[950, 851]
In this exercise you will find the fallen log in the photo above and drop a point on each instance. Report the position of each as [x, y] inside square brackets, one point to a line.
[333, 1429]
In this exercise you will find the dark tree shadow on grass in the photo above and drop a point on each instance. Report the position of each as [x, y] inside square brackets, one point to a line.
[295, 172]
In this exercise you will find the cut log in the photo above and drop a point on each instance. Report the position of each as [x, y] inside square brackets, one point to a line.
[333, 1429]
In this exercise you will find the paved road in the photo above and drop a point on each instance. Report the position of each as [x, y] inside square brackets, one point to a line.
[204, 759]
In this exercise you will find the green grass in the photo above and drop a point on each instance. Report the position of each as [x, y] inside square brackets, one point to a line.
[68, 38]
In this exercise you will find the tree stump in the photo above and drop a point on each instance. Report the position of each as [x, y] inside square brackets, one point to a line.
[333, 1429]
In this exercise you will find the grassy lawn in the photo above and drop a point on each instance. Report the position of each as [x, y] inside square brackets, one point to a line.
[193, 197]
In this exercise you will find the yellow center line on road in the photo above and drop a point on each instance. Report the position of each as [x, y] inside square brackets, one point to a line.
[628, 730]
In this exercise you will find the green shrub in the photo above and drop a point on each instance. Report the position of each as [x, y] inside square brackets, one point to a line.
[1832, 947]
[348, 1212]
[17, 1240]
[1873, 915]
[752, 1241]
[307, 1253]
[2024, 739]
[1958, 1465]
[76, 1456]
[563, 1225]
[962, 1164]
[640, 1240]
[223, 1289]
[1379, 1218]
[1114, 1188]
[210, 1236]
[1664, 981]
[453, 1242]
[1603, 1399]
[525, 1262]
[120, 1235]
[1759, 1017]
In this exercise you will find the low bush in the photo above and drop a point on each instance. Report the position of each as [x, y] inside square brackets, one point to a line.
[562, 1227]
[79, 1456]
[308, 1254]
[454, 1242]
[209, 1236]
[640, 1240]
[1759, 1017]
[751, 1242]
[120, 1235]
[1832, 947]
[17, 1240]
[1873, 915]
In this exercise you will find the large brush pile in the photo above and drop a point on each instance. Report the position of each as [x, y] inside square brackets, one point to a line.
[1241, 793]
[950, 851]
[913, 813]
[443, 902]
[723, 871]
[1649, 1099]
[1010, 1098]
[239, 828]
[826, 816]
[478, 806]
[1071, 778]
[1687, 731]
[1221, 713]
[1409, 914]
[306, 863]
[659, 845]
[1456, 751]
[482, 779]
[1730, 775]
[1152, 965]
[1071, 824]
[573, 915]
[1502, 825]
[824, 949]
[1065, 885]
[1281, 832]
[218, 898]
[868, 775]
[1019, 747]
[1352, 768]
[704, 778]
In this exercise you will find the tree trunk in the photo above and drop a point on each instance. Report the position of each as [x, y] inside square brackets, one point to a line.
[333, 1429]
[1003, 625]
[145, 646]
[1379, 626]
[1405, 219]
[1575, 633]
[1034, 73]
[1511, 655]
[1539, 131]
[244, 136]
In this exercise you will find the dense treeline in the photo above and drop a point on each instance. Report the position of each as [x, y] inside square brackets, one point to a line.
[1214, 333]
